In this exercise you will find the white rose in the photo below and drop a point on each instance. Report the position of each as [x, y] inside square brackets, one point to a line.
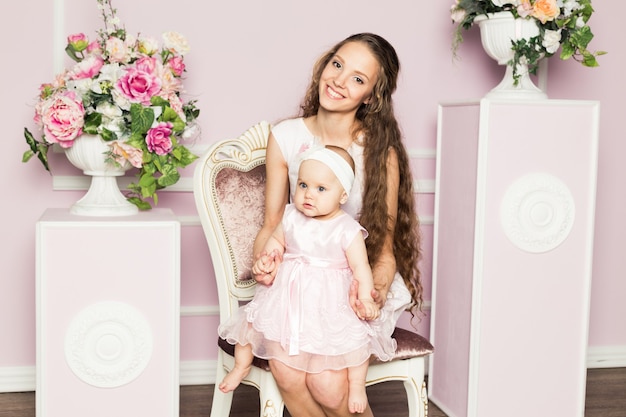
[176, 42]
[108, 110]
[551, 40]
[148, 45]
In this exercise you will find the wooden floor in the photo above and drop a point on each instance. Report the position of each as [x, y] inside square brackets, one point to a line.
[606, 397]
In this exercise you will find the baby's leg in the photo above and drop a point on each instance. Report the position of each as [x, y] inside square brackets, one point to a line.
[243, 362]
[357, 397]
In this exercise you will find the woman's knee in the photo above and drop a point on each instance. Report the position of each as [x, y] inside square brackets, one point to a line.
[287, 379]
[329, 389]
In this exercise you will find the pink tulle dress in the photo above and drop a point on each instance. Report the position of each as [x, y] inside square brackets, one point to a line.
[304, 319]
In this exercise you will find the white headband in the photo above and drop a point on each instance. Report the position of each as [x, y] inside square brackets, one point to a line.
[340, 167]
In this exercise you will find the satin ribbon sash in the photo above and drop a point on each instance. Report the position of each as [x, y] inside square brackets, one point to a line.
[295, 301]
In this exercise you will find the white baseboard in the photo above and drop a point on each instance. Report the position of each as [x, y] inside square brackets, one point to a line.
[22, 378]
[606, 357]
[17, 378]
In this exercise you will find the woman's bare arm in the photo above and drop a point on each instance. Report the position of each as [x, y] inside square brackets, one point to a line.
[385, 267]
[276, 197]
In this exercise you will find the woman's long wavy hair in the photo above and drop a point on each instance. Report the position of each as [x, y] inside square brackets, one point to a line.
[377, 125]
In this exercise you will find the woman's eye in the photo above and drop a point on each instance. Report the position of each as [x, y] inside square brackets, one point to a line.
[336, 64]
[358, 80]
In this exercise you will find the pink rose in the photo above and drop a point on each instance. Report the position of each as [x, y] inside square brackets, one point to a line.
[87, 68]
[158, 138]
[78, 42]
[62, 117]
[140, 82]
[176, 65]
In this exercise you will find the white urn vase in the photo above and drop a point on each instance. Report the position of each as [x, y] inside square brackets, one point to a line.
[104, 198]
[497, 30]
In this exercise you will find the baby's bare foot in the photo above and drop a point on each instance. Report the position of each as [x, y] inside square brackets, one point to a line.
[357, 397]
[234, 378]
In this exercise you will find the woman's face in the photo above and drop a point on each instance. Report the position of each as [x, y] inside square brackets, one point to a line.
[349, 78]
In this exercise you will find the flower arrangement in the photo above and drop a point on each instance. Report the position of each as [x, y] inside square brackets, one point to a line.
[562, 23]
[127, 90]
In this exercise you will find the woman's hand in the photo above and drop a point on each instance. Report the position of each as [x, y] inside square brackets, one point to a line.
[369, 310]
[360, 308]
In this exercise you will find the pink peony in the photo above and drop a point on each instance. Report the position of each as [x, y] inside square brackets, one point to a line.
[158, 138]
[94, 48]
[62, 118]
[117, 50]
[123, 152]
[141, 82]
[87, 68]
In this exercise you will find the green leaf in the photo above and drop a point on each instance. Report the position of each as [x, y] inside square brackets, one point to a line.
[567, 51]
[170, 176]
[148, 185]
[142, 205]
[27, 155]
[581, 37]
[142, 118]
[107, 135]
[30, 140]
[36, 148]
[71, 52]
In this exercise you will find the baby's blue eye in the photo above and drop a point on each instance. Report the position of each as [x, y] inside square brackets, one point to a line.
[302, 185]
[321, 189]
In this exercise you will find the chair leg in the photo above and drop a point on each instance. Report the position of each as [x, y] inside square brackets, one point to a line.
[415, 387]
[272, 404]
[221, 402]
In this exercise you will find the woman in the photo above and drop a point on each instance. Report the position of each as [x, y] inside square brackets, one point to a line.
[348, 104]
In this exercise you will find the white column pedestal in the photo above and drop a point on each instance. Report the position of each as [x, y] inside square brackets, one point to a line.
[108, 312]
[513, 247]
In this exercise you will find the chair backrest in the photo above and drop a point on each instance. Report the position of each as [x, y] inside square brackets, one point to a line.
[229, 190]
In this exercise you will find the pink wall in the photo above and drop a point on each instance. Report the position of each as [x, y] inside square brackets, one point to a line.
[250, 61]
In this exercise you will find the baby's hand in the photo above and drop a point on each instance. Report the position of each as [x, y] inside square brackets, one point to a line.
[264, 267]
[369, 310]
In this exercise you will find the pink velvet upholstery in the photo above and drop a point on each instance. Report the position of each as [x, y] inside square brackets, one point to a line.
[240, 197]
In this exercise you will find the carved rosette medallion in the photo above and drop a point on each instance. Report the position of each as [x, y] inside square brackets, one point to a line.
[537, 212]
[108, 344]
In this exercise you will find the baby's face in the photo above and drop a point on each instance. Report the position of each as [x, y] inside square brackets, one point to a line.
[319, 193]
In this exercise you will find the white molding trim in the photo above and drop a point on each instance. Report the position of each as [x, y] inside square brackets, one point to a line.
[185, 184]
[202, 372]
[197, 372]
[17, 379]
[202, 310]
[606, 357]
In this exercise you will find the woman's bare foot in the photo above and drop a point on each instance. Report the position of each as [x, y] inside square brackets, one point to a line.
[357, 397]
[234, 378]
